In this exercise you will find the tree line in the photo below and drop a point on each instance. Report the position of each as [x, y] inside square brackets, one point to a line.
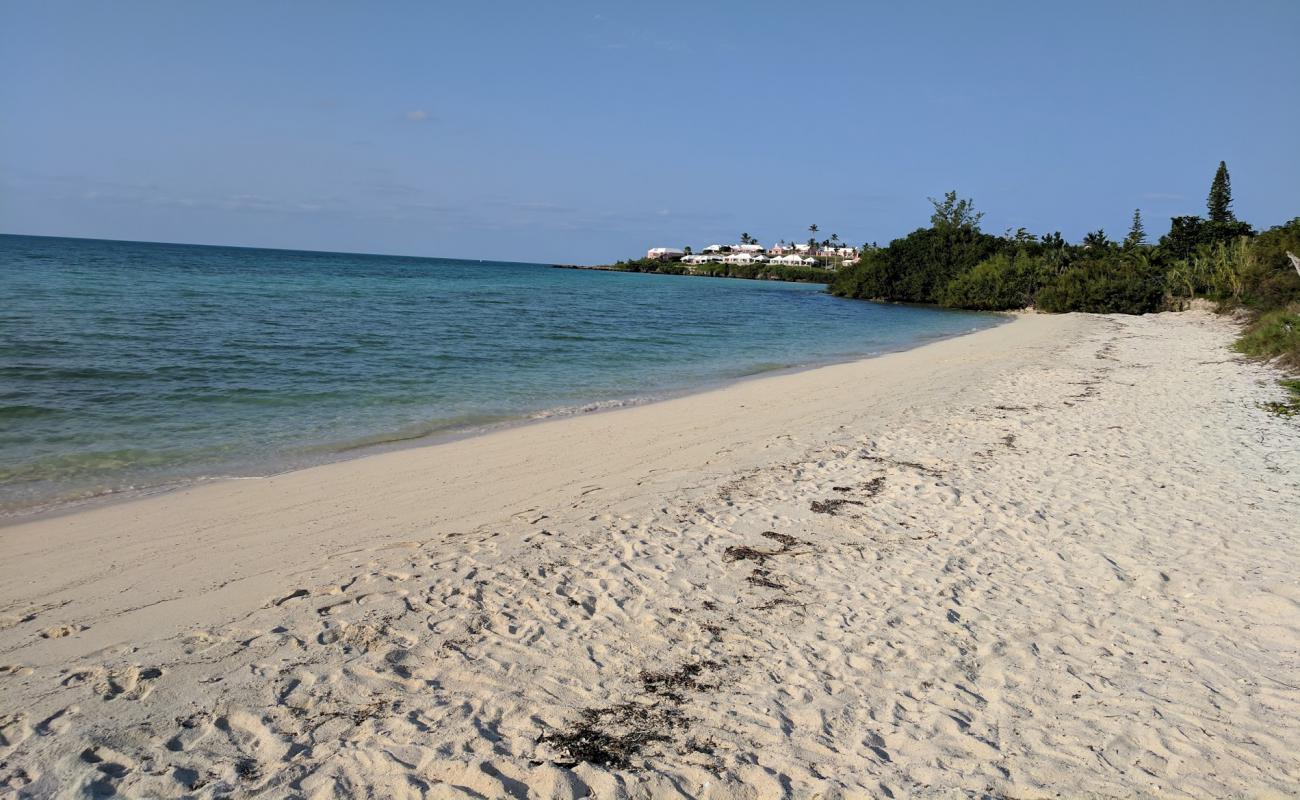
[954, 263]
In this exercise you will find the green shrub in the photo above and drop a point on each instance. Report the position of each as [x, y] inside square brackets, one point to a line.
[1105, 286]
[917, 267]
[1274, 335]
[1271, 281]
[1222, 267]
[999, 283]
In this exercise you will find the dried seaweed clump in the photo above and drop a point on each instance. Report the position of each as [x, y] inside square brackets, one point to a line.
[746, 553]
[670, 683]
[611, 737]
[833, 505]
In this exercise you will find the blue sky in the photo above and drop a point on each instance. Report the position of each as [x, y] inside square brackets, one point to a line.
[588, 131]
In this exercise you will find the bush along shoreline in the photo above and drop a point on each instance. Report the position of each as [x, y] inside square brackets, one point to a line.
[953, 263]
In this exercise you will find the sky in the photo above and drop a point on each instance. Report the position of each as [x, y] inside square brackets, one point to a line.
[584, 132]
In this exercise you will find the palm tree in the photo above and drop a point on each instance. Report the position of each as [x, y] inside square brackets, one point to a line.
[745, 238]
[812, 228]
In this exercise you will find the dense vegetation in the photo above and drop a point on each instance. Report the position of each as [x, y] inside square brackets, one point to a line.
[1217, 257]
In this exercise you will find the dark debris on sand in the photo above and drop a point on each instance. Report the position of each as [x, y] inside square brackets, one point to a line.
[671, 683]
[833, 505]
[614, 735]
[789, 546]
[763, 578]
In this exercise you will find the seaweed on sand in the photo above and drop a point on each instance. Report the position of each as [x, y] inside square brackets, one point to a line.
[833, 505]
[784, 539]
[777, 602]
[613, 736]
[746, 553]
[869, 489]
[763, 578]
[670, 683]
[921, 468]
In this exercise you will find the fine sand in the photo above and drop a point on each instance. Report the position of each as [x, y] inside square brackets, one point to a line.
[1057, 558]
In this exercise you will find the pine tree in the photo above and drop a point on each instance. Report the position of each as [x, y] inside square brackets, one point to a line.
[1219, 202]
[1137, 234]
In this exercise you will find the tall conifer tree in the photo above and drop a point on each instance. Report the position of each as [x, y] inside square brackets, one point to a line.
[1219, 203]
[1137, 234]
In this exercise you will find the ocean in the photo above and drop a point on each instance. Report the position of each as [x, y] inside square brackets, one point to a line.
[128, 366]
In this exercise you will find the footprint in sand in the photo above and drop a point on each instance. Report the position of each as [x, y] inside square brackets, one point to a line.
[60, 631]
[128, 683]
[112, 767]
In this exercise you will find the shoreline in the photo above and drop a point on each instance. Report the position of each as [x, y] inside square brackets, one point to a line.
[1058, 552]
[334, 454]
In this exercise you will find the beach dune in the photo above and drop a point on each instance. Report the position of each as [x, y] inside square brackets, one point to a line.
[1053, 558]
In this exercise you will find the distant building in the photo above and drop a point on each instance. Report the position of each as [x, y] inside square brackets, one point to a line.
[665, 253]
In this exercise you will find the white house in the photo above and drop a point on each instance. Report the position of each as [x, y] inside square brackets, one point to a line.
[747, 248]
[789, 261]
[664, 253]
[713, 248]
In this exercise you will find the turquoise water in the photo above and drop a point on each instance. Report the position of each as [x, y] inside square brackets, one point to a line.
[131, 365]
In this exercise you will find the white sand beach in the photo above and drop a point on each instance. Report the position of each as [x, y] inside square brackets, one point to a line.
[1057, 558]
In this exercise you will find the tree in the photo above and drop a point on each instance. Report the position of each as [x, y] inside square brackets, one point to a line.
[1219, 203]
[1056, 251]
[745, 238]
[916, 267]
[1137, 234]
[1096, 240]
[687, 249]
[813, 228]
[951, 212]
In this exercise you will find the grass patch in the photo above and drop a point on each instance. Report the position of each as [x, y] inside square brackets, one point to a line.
[1289, 407]
[1273, 335]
